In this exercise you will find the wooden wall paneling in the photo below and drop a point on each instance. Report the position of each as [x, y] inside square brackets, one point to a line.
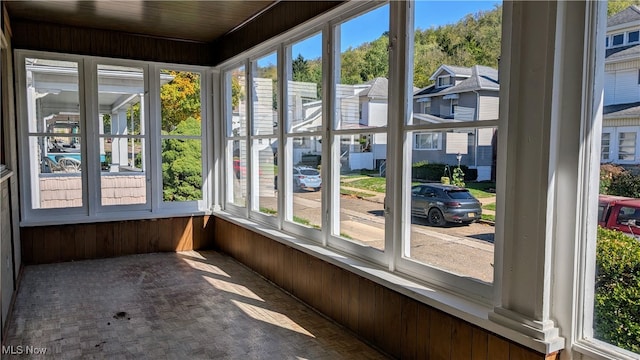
[198, 231]
[517, 352]
[51, 244]
[287, 268]
[129, 237]
[497, 348]
[461, 340]
[279, 261]
[165, 232]
[423, 331]
[104, 240]
[80, 242]
[392, 320]
[301, 287]
[325, 282]
[344, 288]
[379, 317]
[408, 332]
[353, 308]
[182, 233]
[27, 245]
[142, 239]
[440, 331]
[206, 241]
[154, 235]
[314, 284]
[479, 343]
[67, 243]
[366, 308]
[88, 236]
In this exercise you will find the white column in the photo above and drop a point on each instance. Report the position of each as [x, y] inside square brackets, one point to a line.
[524, 224]
[119, 145]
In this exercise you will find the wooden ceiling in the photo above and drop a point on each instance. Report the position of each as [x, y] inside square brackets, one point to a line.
[200, 21]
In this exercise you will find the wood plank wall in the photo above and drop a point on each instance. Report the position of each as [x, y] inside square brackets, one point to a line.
[398, 325]
[284, 16]
[83, 41]
[49, 244]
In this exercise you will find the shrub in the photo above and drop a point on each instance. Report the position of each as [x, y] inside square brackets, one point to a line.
[625, 184]
[607, 173]
[617, 290]
[434, 172]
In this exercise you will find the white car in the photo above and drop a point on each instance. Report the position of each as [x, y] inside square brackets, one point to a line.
[306, 178]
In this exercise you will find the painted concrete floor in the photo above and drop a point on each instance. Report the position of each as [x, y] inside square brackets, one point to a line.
[188, 305]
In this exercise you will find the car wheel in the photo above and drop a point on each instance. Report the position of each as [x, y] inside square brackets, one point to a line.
[316, 189]
[436, 217]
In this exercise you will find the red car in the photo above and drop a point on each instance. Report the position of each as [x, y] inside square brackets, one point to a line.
[619, 213]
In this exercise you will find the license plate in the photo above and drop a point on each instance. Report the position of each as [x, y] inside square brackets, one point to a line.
[471, 215]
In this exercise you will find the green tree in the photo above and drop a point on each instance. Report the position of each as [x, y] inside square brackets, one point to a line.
[180, 99]
[182, 164]
[615, 6]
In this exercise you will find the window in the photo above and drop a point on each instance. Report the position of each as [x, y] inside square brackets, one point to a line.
[444, 81]
[606, 147]
[618, 39]
[428, 141]
[607, 41]
[627, 146]
[236, 135]
[633, 37]
[264, 127]
[87, 127]
[181, 135]
[454, 106]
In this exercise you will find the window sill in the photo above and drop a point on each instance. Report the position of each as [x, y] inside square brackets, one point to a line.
[108, 217]
[474, 312]
[595, 349]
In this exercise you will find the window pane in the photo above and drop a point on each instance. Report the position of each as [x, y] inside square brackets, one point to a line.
[265, 175]
[237, 172]
[180, 102]
[627, 146]
[362, 189]
[182, 168]
[362, 91]
[304, 184]
[56, 175]
[615, 300]
[447, 231]
[236, 102]
[304, 88]
[122, 156]
[265, 95]
[122, 179]
[52, 95]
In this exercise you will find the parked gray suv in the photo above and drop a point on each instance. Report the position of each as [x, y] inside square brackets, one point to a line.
[444, 203]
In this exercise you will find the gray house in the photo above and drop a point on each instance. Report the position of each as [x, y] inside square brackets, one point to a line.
[458, 94]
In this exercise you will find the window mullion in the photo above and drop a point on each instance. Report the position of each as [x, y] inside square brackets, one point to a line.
[89, 128]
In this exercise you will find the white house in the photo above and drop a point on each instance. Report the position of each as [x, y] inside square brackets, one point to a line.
[621, 113]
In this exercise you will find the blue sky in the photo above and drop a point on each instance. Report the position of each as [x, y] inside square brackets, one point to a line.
[369, 27]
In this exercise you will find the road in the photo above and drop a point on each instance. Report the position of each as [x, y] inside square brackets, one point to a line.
[466, 250]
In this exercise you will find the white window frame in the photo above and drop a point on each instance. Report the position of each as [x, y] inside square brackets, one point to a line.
[612, 137]
[627, 130]
[441, 81]
[92, 210]
[613, 37]
[629, 37]
[438, 141]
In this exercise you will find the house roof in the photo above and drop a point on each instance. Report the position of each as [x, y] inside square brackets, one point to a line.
[622, 52]
[378, 88]
[630, 14]
[457, 71]
[617, 111]
[481, 78]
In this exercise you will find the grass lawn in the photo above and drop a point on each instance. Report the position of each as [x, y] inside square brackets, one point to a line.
[488, 217]
[490, 206]
[377, 184]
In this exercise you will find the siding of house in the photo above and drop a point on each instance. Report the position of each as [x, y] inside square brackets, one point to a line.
[377, 113]
[489, 104]
[466, 109]
[621, 87]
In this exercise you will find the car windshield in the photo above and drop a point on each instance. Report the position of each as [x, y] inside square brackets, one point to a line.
[460, 194]
[309, 172]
